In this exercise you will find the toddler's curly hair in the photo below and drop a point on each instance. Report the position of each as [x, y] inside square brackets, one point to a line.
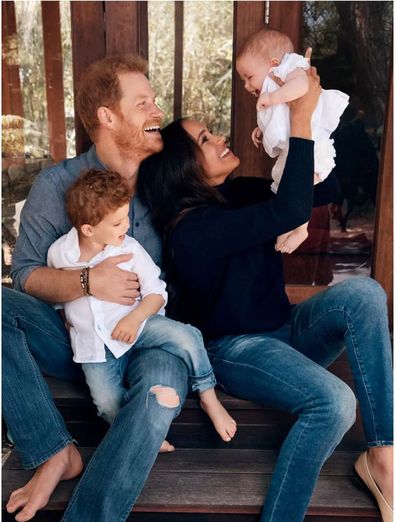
[94, 195]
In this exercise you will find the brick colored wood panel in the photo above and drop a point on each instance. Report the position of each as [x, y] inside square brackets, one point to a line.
[54, 79]
[11, 85]
[126, 27]
[248, 18]
[383, 236]
[88, 45]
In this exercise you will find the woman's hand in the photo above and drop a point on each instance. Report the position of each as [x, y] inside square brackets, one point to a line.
[301, 110]
[306, 105]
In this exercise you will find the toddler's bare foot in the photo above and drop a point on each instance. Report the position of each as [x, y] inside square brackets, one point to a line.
[223, 422]
[34, 495]
[166, 447]
[293, 241]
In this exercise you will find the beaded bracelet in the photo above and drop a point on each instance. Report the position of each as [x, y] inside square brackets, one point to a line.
[84, 280]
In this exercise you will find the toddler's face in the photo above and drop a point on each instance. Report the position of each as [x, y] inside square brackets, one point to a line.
[113, 227]
[252, 71]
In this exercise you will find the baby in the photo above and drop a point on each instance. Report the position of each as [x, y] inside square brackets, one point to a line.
[103, 333]
[268, 51]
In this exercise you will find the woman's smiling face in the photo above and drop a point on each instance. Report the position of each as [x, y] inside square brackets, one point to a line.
[216, 159]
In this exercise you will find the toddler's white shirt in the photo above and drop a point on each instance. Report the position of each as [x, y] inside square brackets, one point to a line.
[94, 320]
[274, 122]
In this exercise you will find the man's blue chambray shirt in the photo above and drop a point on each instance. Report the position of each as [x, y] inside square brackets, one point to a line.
[44, 218]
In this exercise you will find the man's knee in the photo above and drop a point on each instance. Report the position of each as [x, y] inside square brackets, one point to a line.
[166, 396]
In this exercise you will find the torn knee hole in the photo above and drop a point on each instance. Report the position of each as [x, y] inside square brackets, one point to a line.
[166, 396]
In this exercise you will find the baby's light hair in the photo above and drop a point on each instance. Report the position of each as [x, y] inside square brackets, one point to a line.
[266, 43]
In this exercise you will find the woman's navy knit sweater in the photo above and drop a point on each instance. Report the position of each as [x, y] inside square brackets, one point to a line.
[224, 261]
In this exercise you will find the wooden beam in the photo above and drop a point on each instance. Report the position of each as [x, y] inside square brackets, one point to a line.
[178, 64]
[248, 18]
[382, 269]
[54, 78]
[126, 28]
[287, 17]
[11, 84]
[88, 46]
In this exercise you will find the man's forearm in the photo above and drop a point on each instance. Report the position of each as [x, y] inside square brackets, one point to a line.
[55, 286]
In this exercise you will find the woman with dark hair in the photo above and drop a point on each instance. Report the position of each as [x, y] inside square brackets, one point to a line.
[220, 235]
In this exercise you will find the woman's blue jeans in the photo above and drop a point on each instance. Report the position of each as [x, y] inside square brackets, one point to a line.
[285, 369]
[35, 340]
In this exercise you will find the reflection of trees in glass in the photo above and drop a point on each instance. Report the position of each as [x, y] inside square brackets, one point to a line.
[208, 28]
[68, 75]
[351, 47]
[31, 68]
[161, 53]
[32, 74]
[207, 60]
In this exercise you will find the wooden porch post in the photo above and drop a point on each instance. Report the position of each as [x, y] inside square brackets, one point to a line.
[11, 85]
[88, 43]
[54, 79]
[382, 268]
[126, 28]
[248, 18]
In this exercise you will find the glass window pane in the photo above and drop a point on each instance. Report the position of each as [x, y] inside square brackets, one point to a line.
[25, 140]
[207, 63]
[68, 76]
[161, 20]
[351, 49]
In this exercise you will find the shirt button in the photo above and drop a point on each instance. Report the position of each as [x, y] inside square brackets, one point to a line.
[137, 223]
[98, 327]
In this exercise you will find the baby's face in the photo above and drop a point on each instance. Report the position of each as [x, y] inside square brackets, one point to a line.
[113, 227]
[252, 71]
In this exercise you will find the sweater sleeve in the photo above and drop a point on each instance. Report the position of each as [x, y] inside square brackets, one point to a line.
[215, 231]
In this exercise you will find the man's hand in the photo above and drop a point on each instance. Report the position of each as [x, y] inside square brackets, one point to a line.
[264, 101]
[109, 283]
[257, 136]
[126, 329]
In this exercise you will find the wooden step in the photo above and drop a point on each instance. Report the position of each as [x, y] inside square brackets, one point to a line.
[218, 483]
[258, 427]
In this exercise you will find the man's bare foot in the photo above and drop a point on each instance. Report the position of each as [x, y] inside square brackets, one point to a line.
[34, 495]
[293, 241]
[223, 422]
[166, 447]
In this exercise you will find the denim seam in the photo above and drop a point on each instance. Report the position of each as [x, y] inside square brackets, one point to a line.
[341, 309]
[362, 372]
[37, 462]
[349, 322]
[380, 443]
[47, 333]
[263, 372]
[288, 467]
[41, 388]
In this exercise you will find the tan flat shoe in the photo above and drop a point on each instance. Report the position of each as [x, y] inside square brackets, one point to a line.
[365, 478]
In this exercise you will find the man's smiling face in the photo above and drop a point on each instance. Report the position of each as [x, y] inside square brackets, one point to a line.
[137, 118]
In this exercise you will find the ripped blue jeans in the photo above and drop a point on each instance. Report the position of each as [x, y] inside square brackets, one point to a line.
[106, 379]
[35, 340]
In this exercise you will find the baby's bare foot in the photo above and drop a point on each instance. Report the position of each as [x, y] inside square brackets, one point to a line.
[166, 447]
[281, 240]
[34, 495]
[224, 424]
[293, 241]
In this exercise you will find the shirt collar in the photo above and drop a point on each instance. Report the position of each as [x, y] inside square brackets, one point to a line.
[94, 160]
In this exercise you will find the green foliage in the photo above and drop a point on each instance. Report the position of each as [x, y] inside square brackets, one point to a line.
[207, 60]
